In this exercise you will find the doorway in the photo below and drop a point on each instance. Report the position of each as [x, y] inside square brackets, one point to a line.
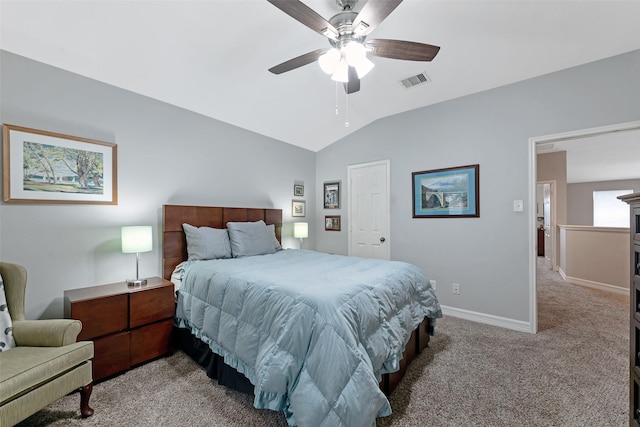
[533, 143]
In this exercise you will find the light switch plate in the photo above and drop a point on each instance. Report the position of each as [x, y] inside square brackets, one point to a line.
[518, 205]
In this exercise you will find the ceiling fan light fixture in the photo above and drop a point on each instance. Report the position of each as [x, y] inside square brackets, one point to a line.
[355, 52]
[329, 60]
[364, 67]
[356, 55]
[341, 73]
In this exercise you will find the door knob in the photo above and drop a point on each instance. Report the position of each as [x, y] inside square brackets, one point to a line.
[382, 239]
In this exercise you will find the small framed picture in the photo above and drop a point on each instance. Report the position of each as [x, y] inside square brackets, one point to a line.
[298, 190]
[332, 222]
[332, 195]
[297, 208]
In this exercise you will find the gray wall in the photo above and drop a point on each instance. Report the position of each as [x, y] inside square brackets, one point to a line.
[165, 155]
[580, 198]
[488, 256]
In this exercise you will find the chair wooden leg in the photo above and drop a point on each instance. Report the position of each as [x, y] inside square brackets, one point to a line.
[85, 394]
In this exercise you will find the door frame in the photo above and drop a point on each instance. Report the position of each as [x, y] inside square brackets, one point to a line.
[387, 163]
[533, 163]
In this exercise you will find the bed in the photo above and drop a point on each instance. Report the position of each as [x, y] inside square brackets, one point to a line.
[323, 338]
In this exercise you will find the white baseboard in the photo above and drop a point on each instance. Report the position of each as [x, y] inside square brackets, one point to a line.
[594, 285]
[561, 271]
[488, 319]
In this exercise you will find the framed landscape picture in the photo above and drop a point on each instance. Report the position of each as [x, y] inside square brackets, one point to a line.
[47, 167]
[297, 208]
[298, 190]
[447, 193]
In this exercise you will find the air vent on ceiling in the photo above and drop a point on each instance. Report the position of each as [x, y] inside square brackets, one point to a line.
[416, 80]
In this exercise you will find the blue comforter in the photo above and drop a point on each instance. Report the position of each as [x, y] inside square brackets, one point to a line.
[313, 332]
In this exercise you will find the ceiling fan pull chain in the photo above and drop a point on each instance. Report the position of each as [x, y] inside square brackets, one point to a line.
[346, 110]
[337, 112]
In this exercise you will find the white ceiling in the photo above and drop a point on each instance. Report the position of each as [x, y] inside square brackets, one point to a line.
[212, 56]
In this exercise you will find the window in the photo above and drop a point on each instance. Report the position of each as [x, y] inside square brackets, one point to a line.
[608, 211]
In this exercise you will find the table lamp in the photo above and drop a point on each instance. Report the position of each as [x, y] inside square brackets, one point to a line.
[135, 240]
[300, 231]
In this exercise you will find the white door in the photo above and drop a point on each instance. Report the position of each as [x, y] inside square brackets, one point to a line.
[369, 210]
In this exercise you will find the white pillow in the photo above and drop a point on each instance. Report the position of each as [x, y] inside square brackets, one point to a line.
[250, 238]
[206, 242]
[6, 330]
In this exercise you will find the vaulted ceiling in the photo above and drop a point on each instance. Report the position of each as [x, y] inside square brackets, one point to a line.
[212, 56]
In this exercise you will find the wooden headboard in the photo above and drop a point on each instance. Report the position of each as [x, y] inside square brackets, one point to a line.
[174, 244]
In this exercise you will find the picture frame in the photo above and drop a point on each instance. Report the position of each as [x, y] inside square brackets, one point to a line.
[298, 190]
[298, 208]
[332, 195]
[52, 168]
[447, 193]
[332, 222]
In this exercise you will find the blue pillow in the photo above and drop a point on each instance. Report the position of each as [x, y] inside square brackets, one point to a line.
[206, 242]
[250, 238]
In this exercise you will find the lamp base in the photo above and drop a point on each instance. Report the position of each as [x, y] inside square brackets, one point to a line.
[136, 282]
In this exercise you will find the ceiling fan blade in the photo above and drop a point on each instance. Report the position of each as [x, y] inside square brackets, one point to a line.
[400, 49]
[307, 16]
[297, 62]
[372, 14]
[353, 85]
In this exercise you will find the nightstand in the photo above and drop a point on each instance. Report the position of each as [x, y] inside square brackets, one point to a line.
[128, 325]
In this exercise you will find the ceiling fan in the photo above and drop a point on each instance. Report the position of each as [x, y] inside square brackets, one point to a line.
[346, 60]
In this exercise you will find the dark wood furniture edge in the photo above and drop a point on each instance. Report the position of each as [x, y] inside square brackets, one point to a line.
[634, 324]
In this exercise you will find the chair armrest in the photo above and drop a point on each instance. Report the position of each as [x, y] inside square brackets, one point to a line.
[46, 333]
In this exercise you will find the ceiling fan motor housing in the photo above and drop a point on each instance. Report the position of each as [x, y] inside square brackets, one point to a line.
[343, 23]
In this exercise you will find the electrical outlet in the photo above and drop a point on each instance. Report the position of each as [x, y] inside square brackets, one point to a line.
[455, 289]
[433, 284]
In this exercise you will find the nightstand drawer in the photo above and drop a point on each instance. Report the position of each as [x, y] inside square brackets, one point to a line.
[101, 316]
[151, 305]
[128, 324]
[151, 341]
[111, 355]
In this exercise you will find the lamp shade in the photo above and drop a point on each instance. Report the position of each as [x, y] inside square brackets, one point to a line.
[341, 72]
[329, 60]
[300, 230]
[136, 239]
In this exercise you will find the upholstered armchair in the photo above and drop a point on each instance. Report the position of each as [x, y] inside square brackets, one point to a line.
[46, 364]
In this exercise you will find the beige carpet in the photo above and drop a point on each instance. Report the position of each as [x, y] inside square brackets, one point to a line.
[574, 372]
